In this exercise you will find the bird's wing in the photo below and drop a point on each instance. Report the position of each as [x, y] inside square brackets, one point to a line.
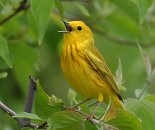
[97, 62]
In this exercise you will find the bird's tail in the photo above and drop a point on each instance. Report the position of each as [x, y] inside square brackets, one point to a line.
[116, 104]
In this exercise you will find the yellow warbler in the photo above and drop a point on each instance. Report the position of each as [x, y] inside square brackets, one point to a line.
[85, 69]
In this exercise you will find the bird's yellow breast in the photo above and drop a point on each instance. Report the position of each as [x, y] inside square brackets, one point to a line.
[78, 73]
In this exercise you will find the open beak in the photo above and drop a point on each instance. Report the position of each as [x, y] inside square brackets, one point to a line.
[68, 27]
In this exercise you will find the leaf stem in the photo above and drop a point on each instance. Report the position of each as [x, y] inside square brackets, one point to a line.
[147, 83]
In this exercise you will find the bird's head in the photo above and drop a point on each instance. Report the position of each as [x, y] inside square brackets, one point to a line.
[77, 31]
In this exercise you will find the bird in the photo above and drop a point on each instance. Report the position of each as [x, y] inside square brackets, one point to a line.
[86, 70]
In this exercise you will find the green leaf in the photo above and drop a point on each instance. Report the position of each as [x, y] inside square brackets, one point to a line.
[1, 3]
[125, 121]
[83, 9]
[143, 6]
[27, 115]
[140, 93]
[7, 9]
[129, 7]
[152, 78]
[4, 52]
[45, 105]
[41, 10]
[119, 77]
[137, 9]
[144, 109]
[146, 60]
[71, 96]
[59, 5]
[3, 75]
[151, 98]
[90, 126]
[25, 63]
[66, 120]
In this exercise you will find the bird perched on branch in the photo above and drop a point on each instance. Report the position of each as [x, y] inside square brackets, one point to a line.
[86, 70]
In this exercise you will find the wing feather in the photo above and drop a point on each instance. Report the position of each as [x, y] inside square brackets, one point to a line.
[98, 63]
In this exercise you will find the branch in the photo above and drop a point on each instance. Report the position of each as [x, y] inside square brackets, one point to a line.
[42, 125]
[28, 107]
[95, 121]
[121, 40]
[7, 109]
[29, 101]
[23, 6]
[31, 95]
[12, 113]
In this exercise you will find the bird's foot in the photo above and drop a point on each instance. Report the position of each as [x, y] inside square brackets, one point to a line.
[92, 119]
[72, 108]
[89, 117]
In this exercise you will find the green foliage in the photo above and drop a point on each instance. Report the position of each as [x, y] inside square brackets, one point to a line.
[146, 59]
[46, 105]
[40, 12]
[3, 75]
[52, 110]
[82, 9]
[66, 120]
[4, 52]
[119, 77]
[27, 116]
[90, 126]
[143, 7]
[59, 5]
[144, 109]
[151, 98]
[137, 9]
[24, 55]
[117, 25]
[126, 121]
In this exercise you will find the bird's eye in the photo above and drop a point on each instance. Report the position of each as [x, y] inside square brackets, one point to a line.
[79, 28]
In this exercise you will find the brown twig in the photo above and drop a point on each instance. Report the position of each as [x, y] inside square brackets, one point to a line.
[121, 40]
[95, 121]
[23, 6]
[7, 109]
[29, 101]
[31, 95]
[28, 107]
[42, 125]
[11, 113]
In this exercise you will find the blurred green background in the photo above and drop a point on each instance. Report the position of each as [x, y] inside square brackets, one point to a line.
[117, 26]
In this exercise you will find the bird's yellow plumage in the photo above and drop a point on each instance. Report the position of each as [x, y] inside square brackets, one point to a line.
[84, 67]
